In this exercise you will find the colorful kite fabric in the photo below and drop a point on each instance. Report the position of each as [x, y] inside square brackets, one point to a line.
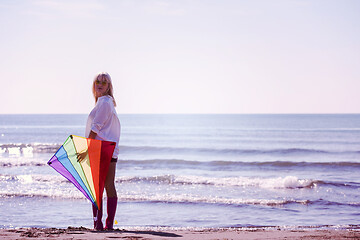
[84, 162]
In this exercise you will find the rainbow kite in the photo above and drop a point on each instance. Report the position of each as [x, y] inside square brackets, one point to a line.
[84, 162]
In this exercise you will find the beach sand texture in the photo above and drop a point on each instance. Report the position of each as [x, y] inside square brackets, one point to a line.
[206, 234]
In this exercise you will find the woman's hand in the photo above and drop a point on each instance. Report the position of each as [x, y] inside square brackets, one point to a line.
[81, 156]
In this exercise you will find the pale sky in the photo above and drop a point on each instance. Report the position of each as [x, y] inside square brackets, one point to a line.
[181, 56]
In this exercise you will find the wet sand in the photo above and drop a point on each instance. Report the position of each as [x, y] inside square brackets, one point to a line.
[204, 234]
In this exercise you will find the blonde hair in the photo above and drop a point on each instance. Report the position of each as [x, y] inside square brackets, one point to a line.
[109, 91]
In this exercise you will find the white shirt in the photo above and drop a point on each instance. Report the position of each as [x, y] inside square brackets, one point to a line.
[103, 121]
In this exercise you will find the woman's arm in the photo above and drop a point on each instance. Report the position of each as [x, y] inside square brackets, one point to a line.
[81, 156]
[92, 135]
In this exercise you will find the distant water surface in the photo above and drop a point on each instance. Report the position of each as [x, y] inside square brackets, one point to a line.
[192, 171]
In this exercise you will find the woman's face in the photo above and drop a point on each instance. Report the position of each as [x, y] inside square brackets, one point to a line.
[101, 86]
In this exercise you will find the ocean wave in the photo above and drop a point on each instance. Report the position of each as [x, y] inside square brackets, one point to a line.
[24, 163]
[185, 199]
[188, 199]
[33, 178]
[182, 163]
[24, 149]
[50, 186]
[166, 198]
[229, 151]
[28, 149]
[219, 164]
[289, 182]
[323, 202]
[44, 194]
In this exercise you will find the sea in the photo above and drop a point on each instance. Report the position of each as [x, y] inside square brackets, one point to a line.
[192, 171]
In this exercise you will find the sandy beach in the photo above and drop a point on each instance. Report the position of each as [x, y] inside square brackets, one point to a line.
[204, 234]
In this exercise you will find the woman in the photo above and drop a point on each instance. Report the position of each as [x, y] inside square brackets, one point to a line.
[103, 124]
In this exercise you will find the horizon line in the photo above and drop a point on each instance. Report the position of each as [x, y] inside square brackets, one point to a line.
[259, 113]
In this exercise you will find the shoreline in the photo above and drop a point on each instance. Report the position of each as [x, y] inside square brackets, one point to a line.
[154, 233]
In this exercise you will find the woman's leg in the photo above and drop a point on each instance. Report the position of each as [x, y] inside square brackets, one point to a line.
[111, 196]
[97, 213]
[110, 181]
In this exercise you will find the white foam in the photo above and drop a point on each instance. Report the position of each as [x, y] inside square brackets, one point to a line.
[28, 151]
[187, 198]
[24, 160]
[27, 179]
[271, 183]
[38, 186]
[14, 151]
[286, 182]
